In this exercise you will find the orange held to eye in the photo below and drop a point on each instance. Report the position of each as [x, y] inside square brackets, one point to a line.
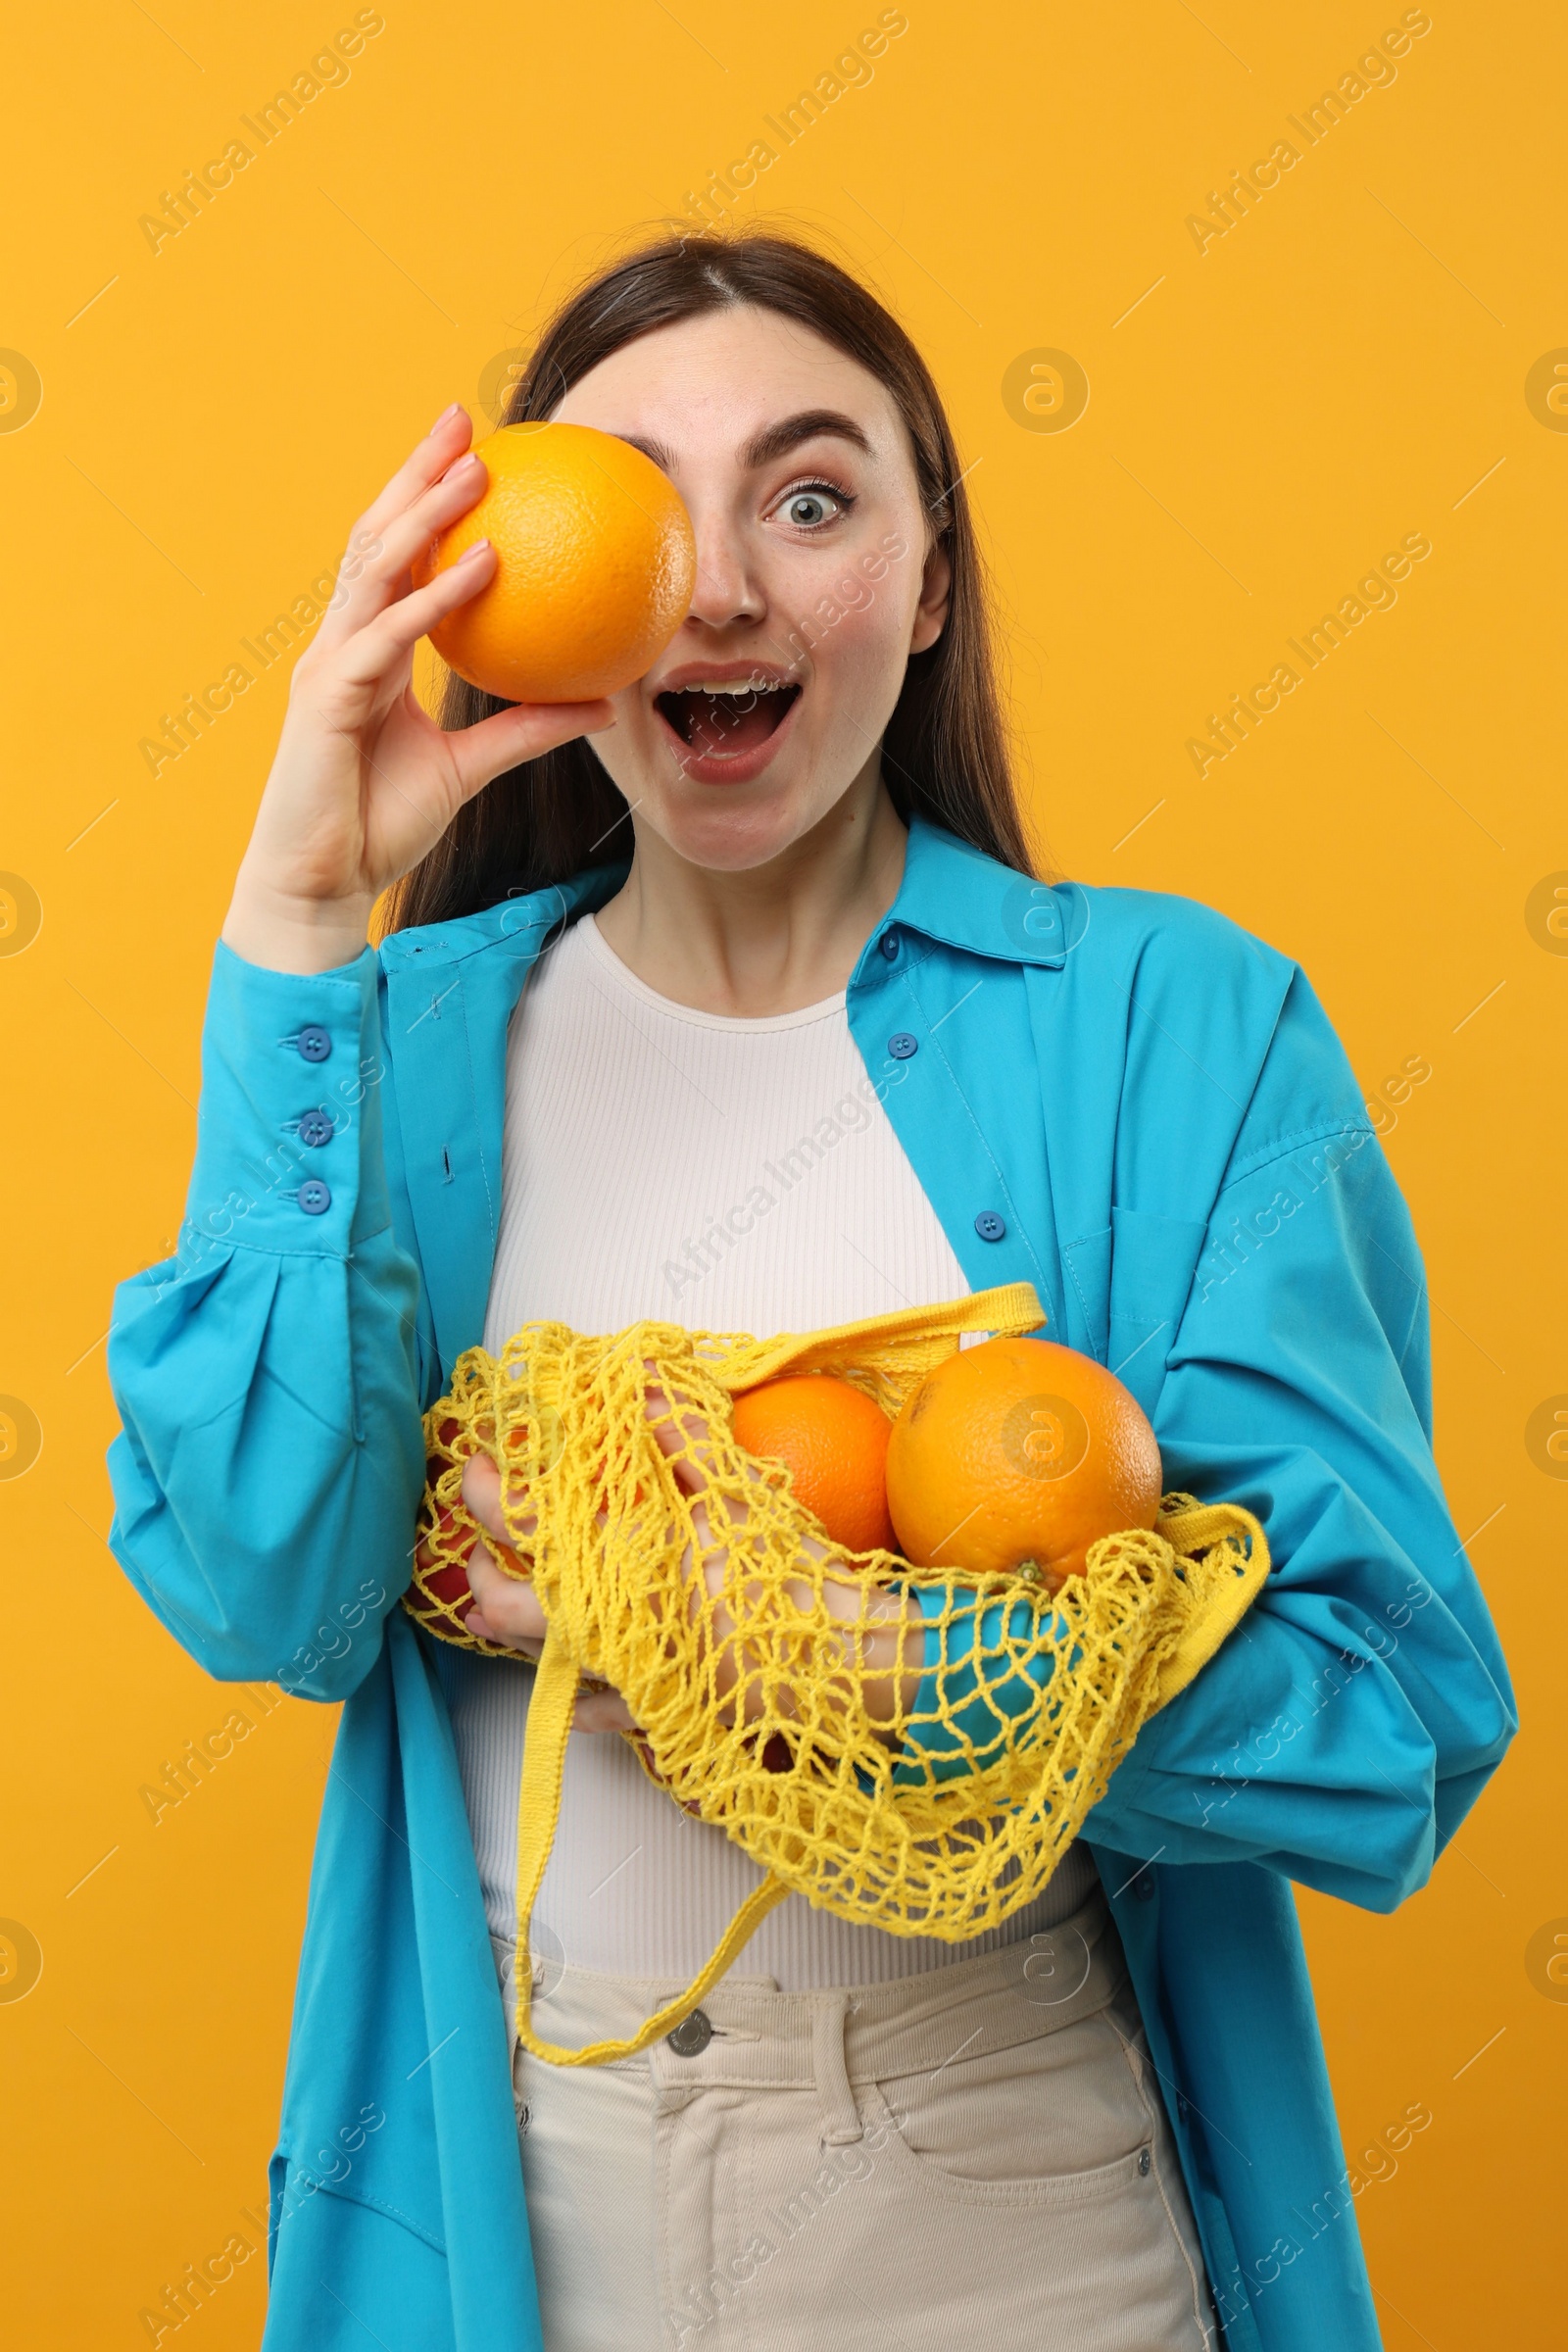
[833, 1440]
[595, 563]
[1016, 1455]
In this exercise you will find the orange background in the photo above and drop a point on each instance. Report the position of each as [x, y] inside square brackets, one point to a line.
[1266, 417]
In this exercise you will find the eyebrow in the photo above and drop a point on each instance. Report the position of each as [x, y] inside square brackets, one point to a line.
[773, 441]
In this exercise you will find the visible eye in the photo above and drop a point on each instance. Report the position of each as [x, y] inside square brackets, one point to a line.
[811, 505]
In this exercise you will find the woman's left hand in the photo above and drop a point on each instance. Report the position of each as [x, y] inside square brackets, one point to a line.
[506, 1609]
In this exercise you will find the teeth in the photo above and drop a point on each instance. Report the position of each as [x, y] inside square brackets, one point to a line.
[732, 687]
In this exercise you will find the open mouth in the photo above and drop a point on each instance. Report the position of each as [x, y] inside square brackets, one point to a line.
[724, 722]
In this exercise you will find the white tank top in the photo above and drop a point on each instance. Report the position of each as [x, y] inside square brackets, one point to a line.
[729, 1175]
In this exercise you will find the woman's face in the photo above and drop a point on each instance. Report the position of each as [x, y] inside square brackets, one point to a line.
[813, 581]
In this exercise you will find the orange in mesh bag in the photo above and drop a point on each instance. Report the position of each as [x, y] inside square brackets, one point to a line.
[751, 1698]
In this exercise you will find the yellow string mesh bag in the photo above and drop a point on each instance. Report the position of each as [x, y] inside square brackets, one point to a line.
[751, 1696]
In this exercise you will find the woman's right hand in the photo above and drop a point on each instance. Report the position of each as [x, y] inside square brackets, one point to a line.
[505, 1608]
[365, 782]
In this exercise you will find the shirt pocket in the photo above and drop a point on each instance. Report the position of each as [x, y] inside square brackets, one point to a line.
[1151, 1263]
[1129, 1283]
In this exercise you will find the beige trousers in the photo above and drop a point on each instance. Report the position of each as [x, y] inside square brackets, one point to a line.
[977, 2151]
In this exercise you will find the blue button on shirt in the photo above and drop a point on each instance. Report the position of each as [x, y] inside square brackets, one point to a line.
[315, 1043]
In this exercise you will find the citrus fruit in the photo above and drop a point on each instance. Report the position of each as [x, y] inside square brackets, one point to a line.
[595, 562]
[833, 1440]
[1017, 1455]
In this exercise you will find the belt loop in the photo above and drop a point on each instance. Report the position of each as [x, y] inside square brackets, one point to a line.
[840, 2114]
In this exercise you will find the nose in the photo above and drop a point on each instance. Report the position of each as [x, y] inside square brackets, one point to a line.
[727, 590]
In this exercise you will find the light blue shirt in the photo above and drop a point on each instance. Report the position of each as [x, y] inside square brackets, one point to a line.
[1118, 1096]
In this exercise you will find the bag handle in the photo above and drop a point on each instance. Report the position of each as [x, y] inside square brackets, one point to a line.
[1010, 1308]
[544, 1758]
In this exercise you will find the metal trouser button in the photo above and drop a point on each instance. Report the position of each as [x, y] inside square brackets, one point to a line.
[691, 2037]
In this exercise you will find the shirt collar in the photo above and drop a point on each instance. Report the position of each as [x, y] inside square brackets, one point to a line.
[950, 893]
[959, 896]
[520, 923]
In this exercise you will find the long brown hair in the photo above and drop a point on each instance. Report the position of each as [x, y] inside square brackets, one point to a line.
[945, 749]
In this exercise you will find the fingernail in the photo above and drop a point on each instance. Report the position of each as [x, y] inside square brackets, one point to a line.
[463, 465]
[445, 418]
[477, 549]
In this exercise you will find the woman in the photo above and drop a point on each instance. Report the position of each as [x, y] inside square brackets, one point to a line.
[733, 1002]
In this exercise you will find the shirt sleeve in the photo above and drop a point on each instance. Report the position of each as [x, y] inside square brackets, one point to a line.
[1341, 1733]
[268, 1375]
[1345, 1729]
